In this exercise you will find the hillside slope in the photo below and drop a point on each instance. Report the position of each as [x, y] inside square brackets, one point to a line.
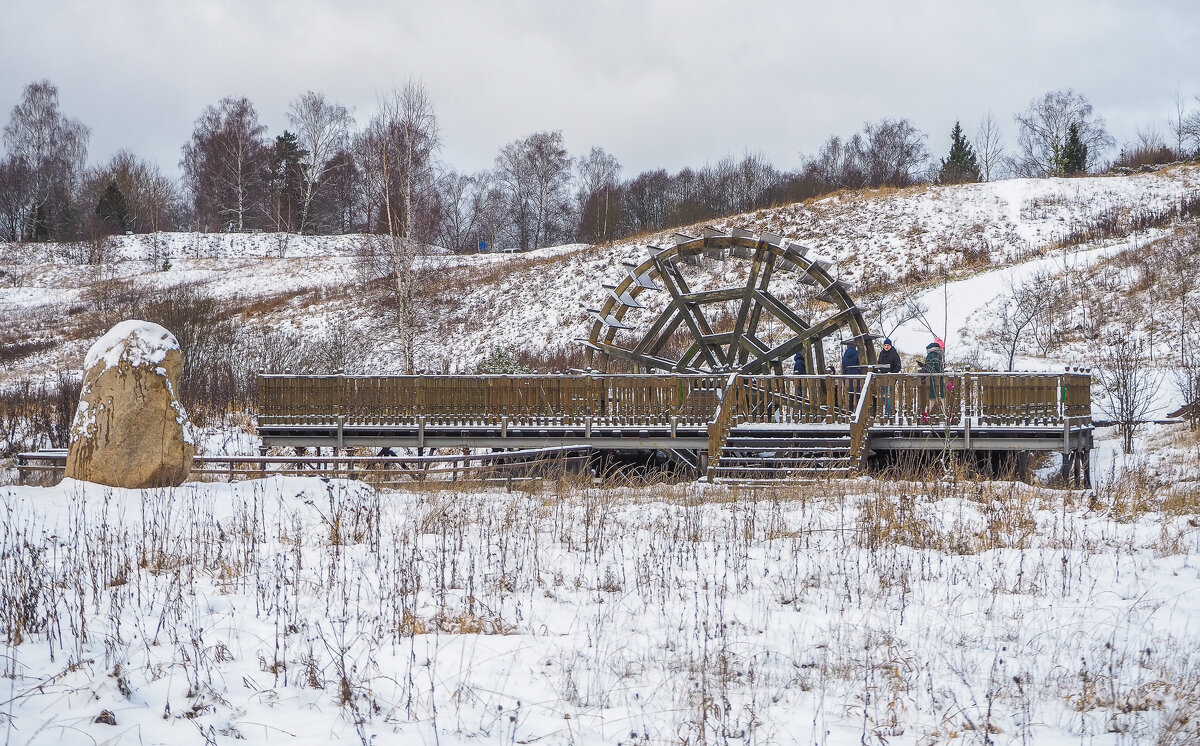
[885, 244]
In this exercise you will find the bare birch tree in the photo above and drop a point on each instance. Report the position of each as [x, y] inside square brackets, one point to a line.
[989, 148]
[49, 150]
[1017, 314]
[225, 165]
[598, 177]
[1178, 120]
[534, 173]
[397, 151]
[462, 199]
[1191, 129]
[1187, 374]
[1044, 128]
[323, 131]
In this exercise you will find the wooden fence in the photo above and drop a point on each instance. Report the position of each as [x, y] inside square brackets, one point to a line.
[561, 399]
[902, 400]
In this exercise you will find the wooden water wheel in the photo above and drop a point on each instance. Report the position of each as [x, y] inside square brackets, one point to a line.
[722, 303]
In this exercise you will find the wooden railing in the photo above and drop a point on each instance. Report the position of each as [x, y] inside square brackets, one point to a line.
[900, 399]
[567, 399]
[895, 399]
[800, 400]
[378, 469]
[723, 421]
[1019, 399]
[914, 398]
[860, 421]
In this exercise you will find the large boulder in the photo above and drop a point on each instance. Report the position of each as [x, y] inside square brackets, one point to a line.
[130, 429]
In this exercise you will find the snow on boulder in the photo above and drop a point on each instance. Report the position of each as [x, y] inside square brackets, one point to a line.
[130, 429]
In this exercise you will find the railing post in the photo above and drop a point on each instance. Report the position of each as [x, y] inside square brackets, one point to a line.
[858, 422]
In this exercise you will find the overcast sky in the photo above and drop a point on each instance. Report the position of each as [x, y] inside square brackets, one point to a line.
[656, 83]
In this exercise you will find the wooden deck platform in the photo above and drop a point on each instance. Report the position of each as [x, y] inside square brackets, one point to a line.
[696, 417]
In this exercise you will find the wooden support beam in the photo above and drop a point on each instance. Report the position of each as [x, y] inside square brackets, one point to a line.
[763, 258]
[782, 312]
[649, 361]
[665, 337]
[789, 347]
[712, 296]
[676, 285]
[755, 312]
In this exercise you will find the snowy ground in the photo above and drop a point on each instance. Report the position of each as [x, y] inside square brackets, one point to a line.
[307, 611]
[312, 611]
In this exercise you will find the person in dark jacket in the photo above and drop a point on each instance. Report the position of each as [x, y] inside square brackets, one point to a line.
[850, 359]
[850, 367]
[935, 363]
[890, 357]
[799, 366]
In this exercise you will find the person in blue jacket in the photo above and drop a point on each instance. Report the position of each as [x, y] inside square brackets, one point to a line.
[850, 359]
[850, 367]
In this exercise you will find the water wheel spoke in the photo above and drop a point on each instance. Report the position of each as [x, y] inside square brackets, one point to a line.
[782, 312]
[758, 268]
[676, 285]
[665, 337]
[789, 348]
[641, 358]
[662, 329]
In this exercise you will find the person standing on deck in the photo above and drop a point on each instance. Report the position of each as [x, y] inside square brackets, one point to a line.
[850, 359]
[799, 367]
[890, 357]
[935, 364]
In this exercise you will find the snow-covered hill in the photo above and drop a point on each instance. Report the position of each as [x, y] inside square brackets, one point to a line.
[887, 241]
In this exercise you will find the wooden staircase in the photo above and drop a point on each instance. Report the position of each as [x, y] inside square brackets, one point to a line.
[784, 453]
[784, 433]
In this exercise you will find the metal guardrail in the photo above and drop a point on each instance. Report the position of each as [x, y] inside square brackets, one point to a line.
[385, 470]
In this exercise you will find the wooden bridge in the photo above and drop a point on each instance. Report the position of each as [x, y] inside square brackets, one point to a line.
[723, 426]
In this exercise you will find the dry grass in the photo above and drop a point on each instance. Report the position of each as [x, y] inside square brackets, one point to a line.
[387, 568]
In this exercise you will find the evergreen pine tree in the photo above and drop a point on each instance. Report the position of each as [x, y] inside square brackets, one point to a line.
[1073, 160]
[960, 166]
[287, 180]
[112, 209]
